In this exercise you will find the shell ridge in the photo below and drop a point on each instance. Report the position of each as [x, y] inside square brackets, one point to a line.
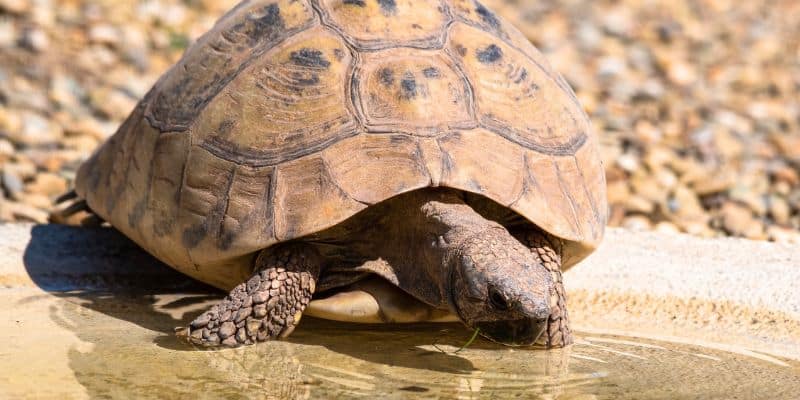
[576, 227]
[595, 214]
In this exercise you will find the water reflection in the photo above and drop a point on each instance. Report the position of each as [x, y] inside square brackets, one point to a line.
[124, 316]
[328, 359]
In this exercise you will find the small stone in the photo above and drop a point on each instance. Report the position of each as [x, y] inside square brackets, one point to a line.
[276, 284]
[779, 210]
[226, 316]
[227, 329]
[23, 212]
[35, 39]
[637, 223]
[667, 227]
[783, 235]
[112, 103]
[788, 145]
[230, 342]
[12, 182]
[47, 184]
[739, 221]
[36, 130]
[104, 34]
[15, 6]
[628, 162]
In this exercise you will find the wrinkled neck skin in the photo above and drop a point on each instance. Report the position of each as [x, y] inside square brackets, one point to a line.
[455, 226]
[419, 234]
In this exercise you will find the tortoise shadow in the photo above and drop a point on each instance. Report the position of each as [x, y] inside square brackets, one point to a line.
[108, 273]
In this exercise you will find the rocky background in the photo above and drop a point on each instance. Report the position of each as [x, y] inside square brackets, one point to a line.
[697, 102]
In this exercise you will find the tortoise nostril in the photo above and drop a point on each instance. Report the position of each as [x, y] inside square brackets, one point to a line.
[498, 300]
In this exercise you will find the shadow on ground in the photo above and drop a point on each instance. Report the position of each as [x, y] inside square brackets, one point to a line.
[101, 270]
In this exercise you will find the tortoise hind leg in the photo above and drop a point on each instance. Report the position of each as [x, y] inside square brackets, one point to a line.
[72, 210]
[267, 306]
[558, 333]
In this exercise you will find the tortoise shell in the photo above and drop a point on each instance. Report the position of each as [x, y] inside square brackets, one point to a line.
[291, 116]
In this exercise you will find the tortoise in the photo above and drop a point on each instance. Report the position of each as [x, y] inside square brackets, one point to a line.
[359, 160]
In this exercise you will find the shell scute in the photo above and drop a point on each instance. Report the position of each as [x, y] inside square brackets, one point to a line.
[219, 56]
[514, 97]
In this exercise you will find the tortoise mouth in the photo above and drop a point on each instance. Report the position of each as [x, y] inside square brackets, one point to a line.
[520, 332]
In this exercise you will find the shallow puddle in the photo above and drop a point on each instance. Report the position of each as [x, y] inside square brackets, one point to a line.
[128, 352]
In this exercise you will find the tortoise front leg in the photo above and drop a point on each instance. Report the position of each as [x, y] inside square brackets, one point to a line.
[557, 333]
[267, 306]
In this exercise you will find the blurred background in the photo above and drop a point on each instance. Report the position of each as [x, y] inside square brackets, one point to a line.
[696, 102]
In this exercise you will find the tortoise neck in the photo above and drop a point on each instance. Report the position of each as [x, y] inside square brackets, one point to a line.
[450, 225]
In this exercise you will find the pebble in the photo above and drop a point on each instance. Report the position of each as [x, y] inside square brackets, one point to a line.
[36, 130]
[36, 40]
[48, 184]
[637, 223]
[739, 220]
[12, 182]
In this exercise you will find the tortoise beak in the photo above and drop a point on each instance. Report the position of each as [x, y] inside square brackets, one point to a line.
[520, 332]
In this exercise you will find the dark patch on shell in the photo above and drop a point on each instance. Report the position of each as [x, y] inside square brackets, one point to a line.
[137, 213]
[195, 234]
[177, 103]
[338, 54]
[225, 127]
[305, 79]
[408, 86]
[432, 72]
[522, 76]
[312, 58]
[387, 76]
[359, 3]
[490, 54]
[389, 7]
[487, 16]
[461, 50]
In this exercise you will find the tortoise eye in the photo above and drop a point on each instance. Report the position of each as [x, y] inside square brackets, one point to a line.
[498, 300]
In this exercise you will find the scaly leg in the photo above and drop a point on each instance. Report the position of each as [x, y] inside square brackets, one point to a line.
[548, 250]
[267, 306]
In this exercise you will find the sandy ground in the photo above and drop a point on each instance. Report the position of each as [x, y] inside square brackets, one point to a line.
[727, 294]
[725, 290]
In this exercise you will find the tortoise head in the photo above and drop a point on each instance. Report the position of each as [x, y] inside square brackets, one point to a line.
[500, 287]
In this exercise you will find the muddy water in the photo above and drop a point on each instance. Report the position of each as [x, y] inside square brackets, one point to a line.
[126, 350]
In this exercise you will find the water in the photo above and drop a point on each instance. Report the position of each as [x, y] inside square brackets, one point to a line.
[128, 351]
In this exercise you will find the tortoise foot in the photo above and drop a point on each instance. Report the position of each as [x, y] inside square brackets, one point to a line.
[268, 306]
[557, 333]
